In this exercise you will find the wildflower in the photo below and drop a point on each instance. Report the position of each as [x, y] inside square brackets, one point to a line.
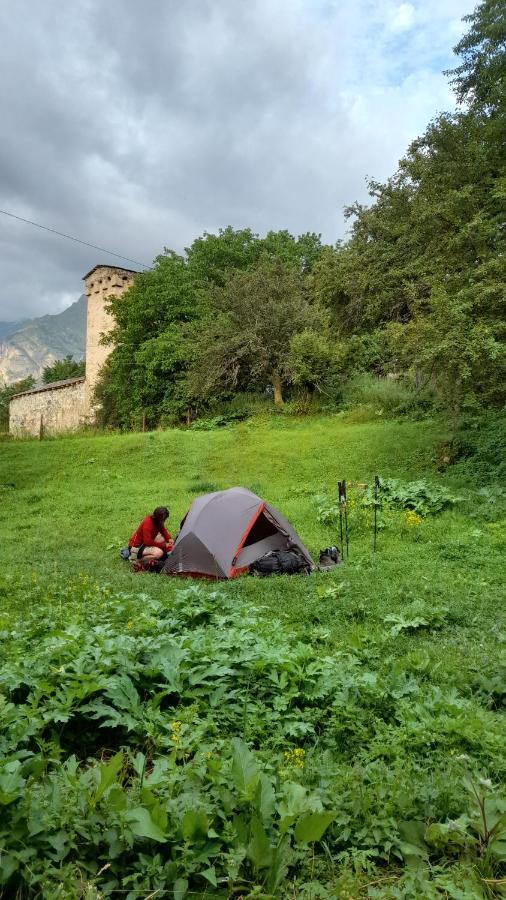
[411, 518]
[130, 623]
[295, 757]
[175, 731]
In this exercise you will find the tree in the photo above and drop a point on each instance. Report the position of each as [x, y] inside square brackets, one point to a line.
[149, 356]
[63, 369]
[244, 340]
[425, 264]
[480, 80]
[8, 391]
[154, 340]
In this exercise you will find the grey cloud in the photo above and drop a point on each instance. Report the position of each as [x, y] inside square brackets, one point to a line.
[136, 126]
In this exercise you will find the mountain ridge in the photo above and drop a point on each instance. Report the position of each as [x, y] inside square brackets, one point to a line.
[26, 347]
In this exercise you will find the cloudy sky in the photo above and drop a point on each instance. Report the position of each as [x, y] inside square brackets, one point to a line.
[140, 125]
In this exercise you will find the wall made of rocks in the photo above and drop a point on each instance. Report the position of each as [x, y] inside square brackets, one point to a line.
[54, 409]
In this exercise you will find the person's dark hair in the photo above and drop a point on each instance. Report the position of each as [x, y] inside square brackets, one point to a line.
[159, 515]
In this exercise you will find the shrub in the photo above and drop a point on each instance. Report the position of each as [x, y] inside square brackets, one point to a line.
[479, 447]
[389, 396]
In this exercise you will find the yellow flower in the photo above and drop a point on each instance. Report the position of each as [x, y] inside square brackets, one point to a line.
[411, 518]
[175, 731]
[130, 623]
[294, 758]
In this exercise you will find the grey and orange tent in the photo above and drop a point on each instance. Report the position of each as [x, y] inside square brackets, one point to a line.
[225, 532]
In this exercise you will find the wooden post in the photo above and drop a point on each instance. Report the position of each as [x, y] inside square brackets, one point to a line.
[41, 427]
[143, 420]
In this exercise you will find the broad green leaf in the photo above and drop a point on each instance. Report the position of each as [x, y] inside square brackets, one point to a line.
[312, 826]
[11, 785]
[122, 692]
[142, 824]
[194, 825]
[245, 771]
[293, 804]
[180, 888]
[159, 816]
[497, 849]
[139, 763]
[9, 865]
[259, 850]
[279, 865]
[265, 798]
[210, 875]
[117, 798]
[108, 772]
[168, 660]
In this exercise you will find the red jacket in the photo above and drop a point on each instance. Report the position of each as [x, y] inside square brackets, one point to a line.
[146, 533]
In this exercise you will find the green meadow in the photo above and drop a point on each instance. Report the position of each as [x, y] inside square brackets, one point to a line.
[338, 735]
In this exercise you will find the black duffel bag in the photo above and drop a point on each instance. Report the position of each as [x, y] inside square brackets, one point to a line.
[280, 562]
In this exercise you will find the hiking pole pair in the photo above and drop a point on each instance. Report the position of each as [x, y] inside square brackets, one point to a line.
[343, 514]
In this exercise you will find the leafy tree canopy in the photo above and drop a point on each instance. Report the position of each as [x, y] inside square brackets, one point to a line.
[63, 369]
[244, 340]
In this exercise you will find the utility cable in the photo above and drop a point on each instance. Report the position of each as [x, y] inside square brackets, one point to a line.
[71, 238]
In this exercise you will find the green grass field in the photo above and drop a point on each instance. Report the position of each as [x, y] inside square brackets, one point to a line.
[340, 735]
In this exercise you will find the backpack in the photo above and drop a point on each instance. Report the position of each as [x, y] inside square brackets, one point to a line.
[280, 562]
[329, 558]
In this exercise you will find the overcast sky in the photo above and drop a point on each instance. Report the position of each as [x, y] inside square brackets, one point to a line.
[140, 125]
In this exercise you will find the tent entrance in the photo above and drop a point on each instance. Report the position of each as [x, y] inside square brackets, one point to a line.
[262, 528]
[264, 535]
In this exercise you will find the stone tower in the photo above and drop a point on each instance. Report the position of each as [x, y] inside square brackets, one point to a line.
[101, 282]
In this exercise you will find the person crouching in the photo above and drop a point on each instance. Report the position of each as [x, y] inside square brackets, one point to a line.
[151, 540]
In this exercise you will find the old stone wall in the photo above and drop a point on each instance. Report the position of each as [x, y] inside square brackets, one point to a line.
[59, 407]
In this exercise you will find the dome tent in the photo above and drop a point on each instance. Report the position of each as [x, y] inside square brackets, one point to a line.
[225, 532]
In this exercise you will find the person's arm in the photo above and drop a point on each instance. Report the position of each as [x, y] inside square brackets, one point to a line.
[169, 542]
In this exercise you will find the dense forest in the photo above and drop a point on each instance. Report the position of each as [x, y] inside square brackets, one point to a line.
[413, 298]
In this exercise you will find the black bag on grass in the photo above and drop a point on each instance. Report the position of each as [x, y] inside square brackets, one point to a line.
[279, 562]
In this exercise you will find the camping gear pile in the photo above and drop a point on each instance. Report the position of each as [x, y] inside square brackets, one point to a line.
[228, 533]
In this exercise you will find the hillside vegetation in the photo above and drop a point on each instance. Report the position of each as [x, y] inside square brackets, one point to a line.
[338, 735]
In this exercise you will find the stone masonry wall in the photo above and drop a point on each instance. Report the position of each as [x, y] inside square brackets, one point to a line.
[101, 283]
[61, 408]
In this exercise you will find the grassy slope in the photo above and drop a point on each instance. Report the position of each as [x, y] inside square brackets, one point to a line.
[74, 498]
[71, 499]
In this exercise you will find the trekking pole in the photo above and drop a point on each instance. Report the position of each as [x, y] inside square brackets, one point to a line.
[346, 519]
[339, 493]
[343, 509]
[376, 494]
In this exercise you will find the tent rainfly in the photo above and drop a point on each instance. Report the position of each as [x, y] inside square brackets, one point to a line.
[223, 533]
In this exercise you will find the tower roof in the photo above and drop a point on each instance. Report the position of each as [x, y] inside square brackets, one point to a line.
[108, 266]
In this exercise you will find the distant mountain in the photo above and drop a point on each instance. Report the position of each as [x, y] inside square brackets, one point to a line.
[26, 347]
[7, 328]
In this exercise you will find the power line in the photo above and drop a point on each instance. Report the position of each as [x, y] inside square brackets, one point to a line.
[71, 238]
